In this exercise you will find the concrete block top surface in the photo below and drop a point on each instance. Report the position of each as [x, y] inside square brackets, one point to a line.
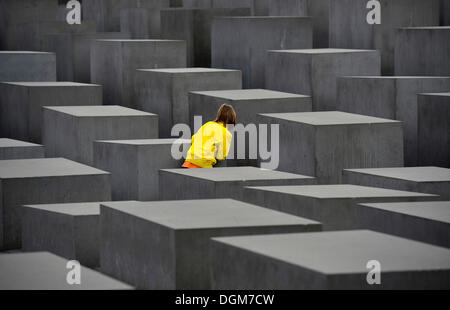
[433, 210]
[44, 167]
[327, 118]
[24, 53]
[415, 174]
[73, 209]
[418, 77]
[248, 94]
[146, 141]
[322, 51]
[436, 94]
[5, 142]
[207, 213]
[232, 174]
[187, 70]
[51, 84]
[137, 40]
[343, 252]
[99, 111]
[427, 28]
[338, 191]
[46, 271]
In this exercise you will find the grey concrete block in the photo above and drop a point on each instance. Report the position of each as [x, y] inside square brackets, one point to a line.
[44, 180]
[23, 66]
[46, 271]
[257, 7]
[423, 51]
[141, 23]
[70, 131]
[247, 103]
[313, 72]
[349, 28]
[326, 260]
[335, 206]
[73, 55]
[390, 97]
[165, 245]
[427, 222]
[15, 149]
[165, 91]
[431, 180]
[321, 144]
[194, 26]
[288, 7]
[445, 13]
[106, 13]
[434, 129]
[242, 42]
[21, 104]
[114, 64]
[69, 230]
[227, 182]
[134, 165]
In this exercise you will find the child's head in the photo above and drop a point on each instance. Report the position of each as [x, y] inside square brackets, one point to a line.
[226, 115]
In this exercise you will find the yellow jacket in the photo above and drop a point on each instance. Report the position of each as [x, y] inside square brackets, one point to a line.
[211, 143]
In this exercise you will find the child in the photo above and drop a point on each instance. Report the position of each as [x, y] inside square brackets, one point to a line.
[212, 142]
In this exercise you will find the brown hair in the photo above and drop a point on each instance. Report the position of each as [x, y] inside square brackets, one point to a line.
[226, 115]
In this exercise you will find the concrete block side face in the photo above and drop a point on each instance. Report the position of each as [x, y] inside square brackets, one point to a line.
[48, 231]
[107, 70]
[356, 146]
[373, 97]
[22, 152]
[129, 254]
[406, 226]
[87, 240]
[150, 161]
[154, 94]
[319, 11]
[325, 68]
[14, 111]
[289, 72]
[56, 189]
[122, 162]
[350, 177]
[433, 130]
[445, 13]
[27, 67]
[236, 268]
[62, 46]
[173, 187]
[288, 7]
[422, 51]
[408, 113]
[59, 135]
[141, 23]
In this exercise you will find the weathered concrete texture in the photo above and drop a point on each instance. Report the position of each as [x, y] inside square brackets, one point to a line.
[165, 91]
[326, 260]
[73, 56]
[134, 164]
[423, 51]
[15, 149]
[434, 129]
[247, 104]
[32, 34]
[445, 13]
[70, 230]
[226, 182]
[194, 26]
[114, 64]
[288, 7]
[170, 240]
[321, 144]
[44, 180]
[350, 29]
[21, 104]
[70, 131]
[46, 271]
[314, 71]
[141, 23]
[257, 7]
[242, 42]
[428, 222]
[431, 180]
[26, 66]
[335, 206]
[106, 13]
[392, 98]
[13, 12]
